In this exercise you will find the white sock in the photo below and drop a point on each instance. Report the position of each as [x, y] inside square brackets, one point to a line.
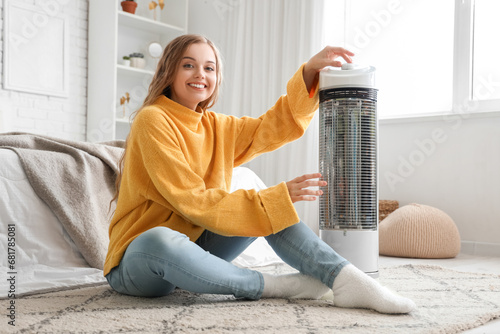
[294, 286]
[352, 288]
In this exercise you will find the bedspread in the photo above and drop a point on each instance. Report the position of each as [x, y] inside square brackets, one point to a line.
[76, 180]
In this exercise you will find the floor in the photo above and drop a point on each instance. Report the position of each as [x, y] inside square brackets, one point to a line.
[463, 262]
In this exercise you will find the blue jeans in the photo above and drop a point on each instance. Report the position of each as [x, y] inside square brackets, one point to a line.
[161, 259]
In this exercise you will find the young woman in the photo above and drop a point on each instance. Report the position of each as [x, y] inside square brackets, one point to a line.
[176, 224]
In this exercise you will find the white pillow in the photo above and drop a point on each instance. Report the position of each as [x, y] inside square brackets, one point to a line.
[259, 253]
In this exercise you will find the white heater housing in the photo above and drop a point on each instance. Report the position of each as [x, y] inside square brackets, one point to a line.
[348, 209]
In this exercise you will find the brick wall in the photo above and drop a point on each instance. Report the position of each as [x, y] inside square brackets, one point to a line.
[63, 117]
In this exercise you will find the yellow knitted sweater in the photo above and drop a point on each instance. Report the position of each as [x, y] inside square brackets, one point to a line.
[178, 168]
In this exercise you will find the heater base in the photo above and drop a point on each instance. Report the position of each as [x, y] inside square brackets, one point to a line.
[358, 247]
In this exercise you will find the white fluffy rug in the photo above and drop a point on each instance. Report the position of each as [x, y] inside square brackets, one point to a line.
[448, 302]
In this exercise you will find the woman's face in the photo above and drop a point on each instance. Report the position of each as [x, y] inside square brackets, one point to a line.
[196, 76]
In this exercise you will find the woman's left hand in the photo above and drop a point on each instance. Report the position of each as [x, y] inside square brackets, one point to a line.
[326, 57]
[298, 187]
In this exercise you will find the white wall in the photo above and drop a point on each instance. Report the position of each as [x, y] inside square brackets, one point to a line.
[451, 163]
[49, 115]
[208, 18]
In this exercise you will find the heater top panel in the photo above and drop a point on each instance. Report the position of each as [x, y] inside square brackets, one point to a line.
[350, 75]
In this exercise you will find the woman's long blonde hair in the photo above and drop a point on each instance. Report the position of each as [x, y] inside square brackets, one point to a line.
[164, 77]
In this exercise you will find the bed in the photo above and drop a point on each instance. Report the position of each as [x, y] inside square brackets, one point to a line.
[54, 197]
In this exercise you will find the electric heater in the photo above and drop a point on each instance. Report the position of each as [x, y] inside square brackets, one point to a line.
[348, 208]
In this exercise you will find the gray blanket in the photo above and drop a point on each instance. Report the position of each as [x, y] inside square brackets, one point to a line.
[76, 180]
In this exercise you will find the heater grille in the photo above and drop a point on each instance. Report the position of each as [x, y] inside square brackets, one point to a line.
[348, 158]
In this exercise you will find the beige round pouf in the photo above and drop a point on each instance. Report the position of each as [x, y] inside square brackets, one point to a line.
[419, 231]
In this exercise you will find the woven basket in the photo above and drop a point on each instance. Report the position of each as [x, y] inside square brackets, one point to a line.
[385, 208]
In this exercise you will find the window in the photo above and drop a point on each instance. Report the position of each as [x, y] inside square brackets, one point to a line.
[432, 57]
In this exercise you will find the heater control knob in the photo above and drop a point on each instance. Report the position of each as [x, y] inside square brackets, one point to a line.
[349, 66]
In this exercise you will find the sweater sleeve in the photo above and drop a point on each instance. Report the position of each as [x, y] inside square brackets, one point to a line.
[286, 121]
[174, 184]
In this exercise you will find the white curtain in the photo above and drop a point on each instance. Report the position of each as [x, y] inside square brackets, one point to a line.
[265, 43]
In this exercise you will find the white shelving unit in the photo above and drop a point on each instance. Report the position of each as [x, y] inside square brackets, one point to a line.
[112, 35]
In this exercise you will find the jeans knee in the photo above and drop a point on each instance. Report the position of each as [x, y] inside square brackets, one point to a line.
[159, 240]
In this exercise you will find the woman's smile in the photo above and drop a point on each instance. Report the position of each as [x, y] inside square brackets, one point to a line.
[196, 85]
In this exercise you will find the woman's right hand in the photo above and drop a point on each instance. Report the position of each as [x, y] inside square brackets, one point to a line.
[324, 58]
[297, 188]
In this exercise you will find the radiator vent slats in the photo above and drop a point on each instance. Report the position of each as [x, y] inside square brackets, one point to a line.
[348, 158]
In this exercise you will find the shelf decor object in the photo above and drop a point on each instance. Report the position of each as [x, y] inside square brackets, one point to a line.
[123, 100]
[129, 6]
[126, 61]
[153, 5]
[155, 51]
[137, 60]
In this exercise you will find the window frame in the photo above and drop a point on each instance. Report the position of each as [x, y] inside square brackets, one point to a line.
[464, 13]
